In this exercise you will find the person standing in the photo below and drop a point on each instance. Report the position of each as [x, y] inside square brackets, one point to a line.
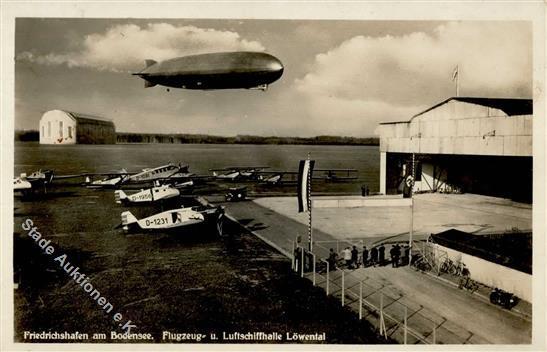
[392, 255]
[354, 257]
[333, 258]
[406, 254]
[364, 257]
[347, 256]
[397, 252]
[373, 256]
[381, 254]
[297, 259]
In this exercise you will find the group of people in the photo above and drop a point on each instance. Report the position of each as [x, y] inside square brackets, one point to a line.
[374, 256]
[399, 255]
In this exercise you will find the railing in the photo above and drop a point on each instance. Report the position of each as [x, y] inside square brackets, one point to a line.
[430, 255]
[393, 314]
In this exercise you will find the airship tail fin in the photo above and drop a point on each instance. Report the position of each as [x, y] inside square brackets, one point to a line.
[148, 84]
[148, 63]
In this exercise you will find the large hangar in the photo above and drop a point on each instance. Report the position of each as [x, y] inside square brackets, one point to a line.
[64, 127]
[461, 145]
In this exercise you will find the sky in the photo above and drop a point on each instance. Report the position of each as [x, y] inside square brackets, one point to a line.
[340, 78]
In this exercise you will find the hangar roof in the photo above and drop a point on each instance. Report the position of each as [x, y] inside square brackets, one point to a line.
[89, 118]
[466, 126]
[510, 106]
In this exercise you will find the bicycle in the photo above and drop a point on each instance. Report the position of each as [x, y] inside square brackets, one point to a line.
[448, 267]
[469, 284]
[419, 263]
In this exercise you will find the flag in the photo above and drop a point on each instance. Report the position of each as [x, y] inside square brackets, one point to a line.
[305, 170]
[455, 74]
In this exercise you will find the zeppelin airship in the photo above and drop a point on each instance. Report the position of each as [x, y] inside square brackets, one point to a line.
[226, 70]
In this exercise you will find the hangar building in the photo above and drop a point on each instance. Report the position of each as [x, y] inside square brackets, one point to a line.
[64, 127]
[463, 144]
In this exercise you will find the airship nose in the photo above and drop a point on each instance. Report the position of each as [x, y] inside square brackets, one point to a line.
[275, 65]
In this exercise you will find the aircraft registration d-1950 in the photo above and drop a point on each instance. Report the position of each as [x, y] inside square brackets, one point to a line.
[223, 70]
[154, 194]
[176, 219]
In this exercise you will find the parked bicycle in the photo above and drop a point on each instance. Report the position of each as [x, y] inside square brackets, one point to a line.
[420, 263]
[449, 267]
[468, 283]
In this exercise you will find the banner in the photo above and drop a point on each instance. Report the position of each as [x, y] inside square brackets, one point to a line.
[305, 171]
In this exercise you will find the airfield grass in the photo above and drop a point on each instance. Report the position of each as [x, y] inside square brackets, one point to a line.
[165, 283]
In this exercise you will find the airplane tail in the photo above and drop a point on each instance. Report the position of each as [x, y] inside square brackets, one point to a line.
[128, 219]
[119, 196]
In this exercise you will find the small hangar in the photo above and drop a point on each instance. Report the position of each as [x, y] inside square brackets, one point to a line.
[462, 145]
[64, 127]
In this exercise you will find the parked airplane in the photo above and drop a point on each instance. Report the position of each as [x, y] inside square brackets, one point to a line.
[169, 172]
[21, 184]
[337, 175]
[291, 177]
[276, 178]
[176, 219]
[154, 194]
[225, 70]
[112, 180]
[236, 173]
[38, 179]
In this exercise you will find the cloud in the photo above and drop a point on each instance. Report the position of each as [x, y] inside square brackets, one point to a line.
[124, 47]
[365, 80]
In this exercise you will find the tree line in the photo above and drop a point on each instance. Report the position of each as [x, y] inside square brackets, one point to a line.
[182, 138]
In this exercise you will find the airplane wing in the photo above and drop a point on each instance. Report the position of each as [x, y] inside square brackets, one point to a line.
[278, 172]
[335, 170]
[251, 167]
[190, 176]
[112, 173]
[240, 168]
[278, 177]
[334, 175]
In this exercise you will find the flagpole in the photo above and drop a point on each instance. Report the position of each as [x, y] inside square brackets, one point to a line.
[456, 77]
[458, 83]
[310, 235]
[411, 233]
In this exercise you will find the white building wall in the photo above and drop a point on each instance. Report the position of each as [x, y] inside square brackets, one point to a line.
[383, 169]
[57, 127]
[434, 178]
[460, 128]
[492, 274]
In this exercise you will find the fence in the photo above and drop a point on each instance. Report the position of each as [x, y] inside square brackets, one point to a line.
[393, 314]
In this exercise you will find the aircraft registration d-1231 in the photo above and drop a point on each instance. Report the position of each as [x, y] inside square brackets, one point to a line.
[176, 219]
[225, 70]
